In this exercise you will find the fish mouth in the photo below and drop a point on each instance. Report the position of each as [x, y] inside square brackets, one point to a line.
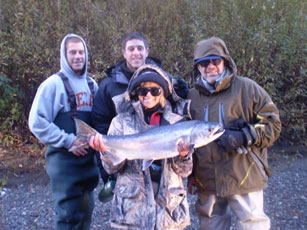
[216, 132]
[216, 129]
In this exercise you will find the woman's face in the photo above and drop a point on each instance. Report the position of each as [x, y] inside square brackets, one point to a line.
[145, 91]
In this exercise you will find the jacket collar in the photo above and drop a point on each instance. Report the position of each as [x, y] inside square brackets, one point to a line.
[119, 74]
[167, 114]
[220, 85]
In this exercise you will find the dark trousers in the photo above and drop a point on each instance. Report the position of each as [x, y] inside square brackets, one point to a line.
[72, 179]
[72, 182]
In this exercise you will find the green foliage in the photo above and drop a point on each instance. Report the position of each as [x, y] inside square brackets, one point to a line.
[266, 39]
[3, 182]
[10, 109]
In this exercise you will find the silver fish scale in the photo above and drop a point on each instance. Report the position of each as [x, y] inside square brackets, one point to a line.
[161, 142]
[155, 143]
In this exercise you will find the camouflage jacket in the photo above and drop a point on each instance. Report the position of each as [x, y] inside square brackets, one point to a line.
[134, 205]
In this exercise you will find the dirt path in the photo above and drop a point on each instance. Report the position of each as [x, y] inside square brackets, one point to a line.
[26, 203]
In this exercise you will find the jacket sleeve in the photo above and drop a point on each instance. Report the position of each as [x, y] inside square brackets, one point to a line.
[182, 166]
[266, 127]
[48, 101]
[103, 108]
[115, 129]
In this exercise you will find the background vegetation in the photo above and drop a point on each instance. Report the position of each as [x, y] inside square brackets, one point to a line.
[267, 39]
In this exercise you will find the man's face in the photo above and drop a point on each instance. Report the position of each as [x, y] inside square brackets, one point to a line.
[135, 53]
[75, 55]
[211, 72]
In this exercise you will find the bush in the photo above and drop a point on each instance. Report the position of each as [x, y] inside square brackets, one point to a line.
[265, 38]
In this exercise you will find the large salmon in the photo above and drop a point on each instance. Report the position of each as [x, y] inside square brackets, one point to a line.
[154, 143]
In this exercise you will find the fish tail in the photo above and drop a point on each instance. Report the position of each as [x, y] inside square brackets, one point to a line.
[83, 130]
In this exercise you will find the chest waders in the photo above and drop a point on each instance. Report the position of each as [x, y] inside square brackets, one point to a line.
[72, 178]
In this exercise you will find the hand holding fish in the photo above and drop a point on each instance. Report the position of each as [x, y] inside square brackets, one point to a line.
[183, 148]
[97, 144]
[78, 152]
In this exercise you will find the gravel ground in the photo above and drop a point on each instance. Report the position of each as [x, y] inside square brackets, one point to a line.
[27, 204]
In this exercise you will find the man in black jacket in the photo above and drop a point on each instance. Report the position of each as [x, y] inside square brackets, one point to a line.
[135, 51]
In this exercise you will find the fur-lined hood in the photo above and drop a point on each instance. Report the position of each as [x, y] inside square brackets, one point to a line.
[149, 67]
[124, 101]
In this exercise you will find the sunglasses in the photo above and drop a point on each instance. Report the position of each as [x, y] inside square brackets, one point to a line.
[154, 91]
[215, 62]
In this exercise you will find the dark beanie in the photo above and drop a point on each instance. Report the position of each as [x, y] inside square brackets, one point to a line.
[150, 76]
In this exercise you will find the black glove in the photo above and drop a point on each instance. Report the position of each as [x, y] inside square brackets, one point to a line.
[237, 124]
[241, 125]
[181, 87]
[231, 140]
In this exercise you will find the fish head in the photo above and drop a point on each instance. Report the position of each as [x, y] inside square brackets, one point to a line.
[206, 132]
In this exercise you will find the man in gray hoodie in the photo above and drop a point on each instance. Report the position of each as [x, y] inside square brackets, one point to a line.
[63, 96]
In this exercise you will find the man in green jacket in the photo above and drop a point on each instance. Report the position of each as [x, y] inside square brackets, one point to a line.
[231, 173]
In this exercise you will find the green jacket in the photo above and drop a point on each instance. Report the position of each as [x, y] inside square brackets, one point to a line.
[229, 173]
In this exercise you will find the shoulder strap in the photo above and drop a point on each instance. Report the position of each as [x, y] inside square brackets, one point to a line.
[90, 85]
[71, 95]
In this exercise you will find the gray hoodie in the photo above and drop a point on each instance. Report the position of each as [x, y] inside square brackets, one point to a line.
[51, 98]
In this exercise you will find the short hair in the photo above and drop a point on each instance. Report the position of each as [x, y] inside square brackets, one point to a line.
[72, 39]
[134, 35]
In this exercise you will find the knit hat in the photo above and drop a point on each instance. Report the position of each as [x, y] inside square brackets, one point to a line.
[150, 76]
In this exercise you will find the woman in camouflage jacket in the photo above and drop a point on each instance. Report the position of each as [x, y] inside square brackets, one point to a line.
[154, 198]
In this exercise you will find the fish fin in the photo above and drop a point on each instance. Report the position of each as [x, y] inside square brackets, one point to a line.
[146, 164]
[83, 133]
[221, 116]
[191, 151]
[114, 158]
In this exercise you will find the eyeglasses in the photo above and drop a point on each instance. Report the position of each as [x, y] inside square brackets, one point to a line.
[142, 91]
[215, 62]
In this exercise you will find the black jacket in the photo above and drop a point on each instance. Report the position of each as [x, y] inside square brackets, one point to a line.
[115, 83]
